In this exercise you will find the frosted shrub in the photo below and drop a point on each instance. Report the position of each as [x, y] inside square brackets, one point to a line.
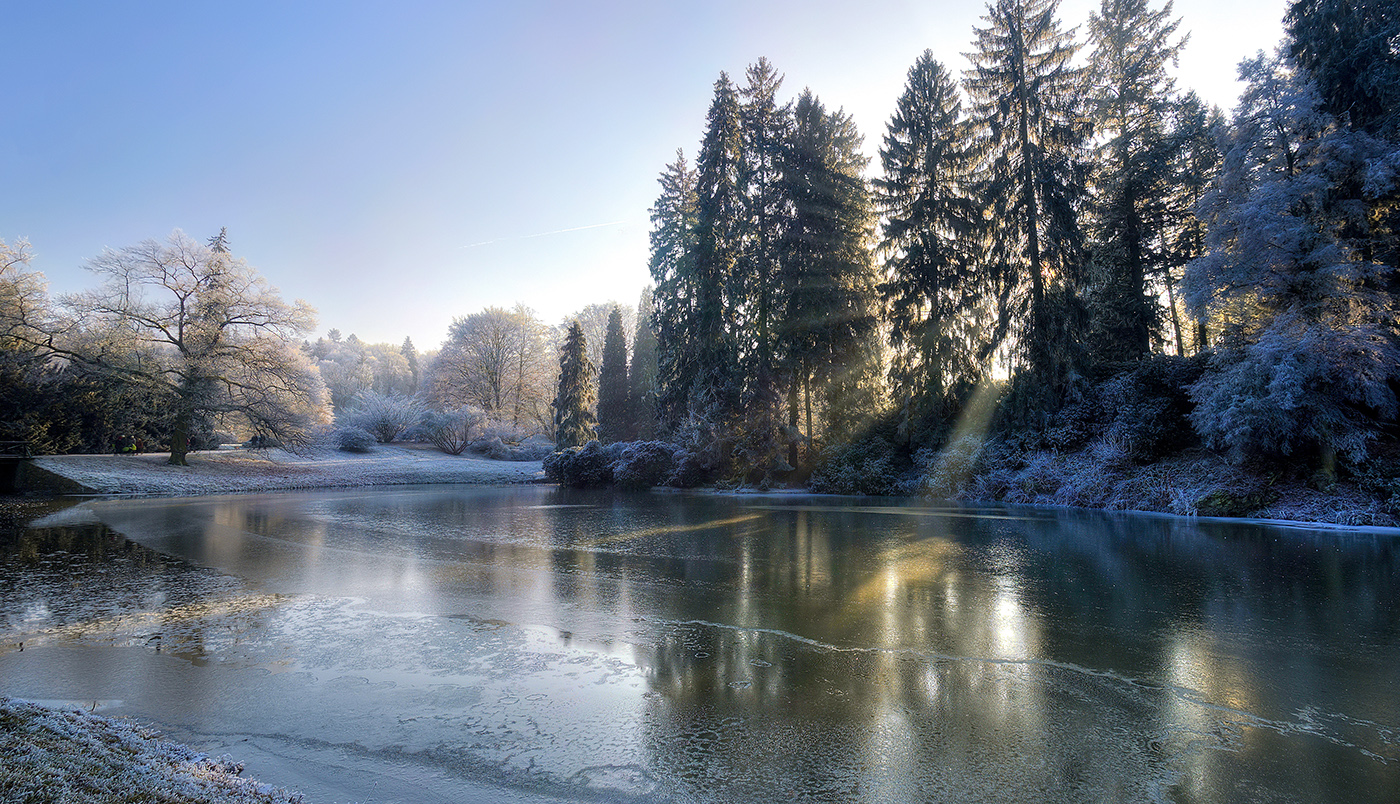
[945, 472]
[643, 464]
[866, 467]
[352, 439]
[588, 466]
[385, 416]
[451, 431]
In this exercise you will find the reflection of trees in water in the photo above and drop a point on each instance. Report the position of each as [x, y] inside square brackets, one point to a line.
[819, 649]
[85, 580]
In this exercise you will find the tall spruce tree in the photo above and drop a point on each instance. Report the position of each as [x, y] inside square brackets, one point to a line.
[929, 239]
[642, 372]
[715, 388]
[574, 422]
[672, 262]
[1131, 99]
[614, 417]
[766, 126]
[1196, 132]
[1026, 99]
[830, 322]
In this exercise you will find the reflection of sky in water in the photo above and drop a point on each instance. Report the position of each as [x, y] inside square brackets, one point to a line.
[734, 649]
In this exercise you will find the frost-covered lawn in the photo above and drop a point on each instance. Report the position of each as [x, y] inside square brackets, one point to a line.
[71, 757]
[230, 471]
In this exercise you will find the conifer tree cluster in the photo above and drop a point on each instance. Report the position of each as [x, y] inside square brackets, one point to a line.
[1060, 213]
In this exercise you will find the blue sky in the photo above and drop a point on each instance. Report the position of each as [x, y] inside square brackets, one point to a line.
[397, 165]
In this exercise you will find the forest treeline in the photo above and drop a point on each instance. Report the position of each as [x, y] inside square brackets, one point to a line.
[1057, 253]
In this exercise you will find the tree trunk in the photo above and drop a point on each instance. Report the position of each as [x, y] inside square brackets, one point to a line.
[793, 421]
[180, 436]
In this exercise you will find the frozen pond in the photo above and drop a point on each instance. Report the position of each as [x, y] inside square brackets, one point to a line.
[536, 644]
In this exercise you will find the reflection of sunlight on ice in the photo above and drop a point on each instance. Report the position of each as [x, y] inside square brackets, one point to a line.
[1010, 634]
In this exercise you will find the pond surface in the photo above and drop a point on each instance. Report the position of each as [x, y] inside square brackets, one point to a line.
[537, 644]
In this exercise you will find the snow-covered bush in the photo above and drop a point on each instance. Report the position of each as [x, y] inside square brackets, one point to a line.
[643, 464]
[385, 416]
[451, 431]
[353, 439]
[588, 466]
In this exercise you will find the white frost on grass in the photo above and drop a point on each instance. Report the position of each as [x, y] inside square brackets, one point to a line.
[70, 756]
[232, 471]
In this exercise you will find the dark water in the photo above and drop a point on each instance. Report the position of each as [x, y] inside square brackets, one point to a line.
[434, 643]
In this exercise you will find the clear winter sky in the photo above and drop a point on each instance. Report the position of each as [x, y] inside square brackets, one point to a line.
[399, 164]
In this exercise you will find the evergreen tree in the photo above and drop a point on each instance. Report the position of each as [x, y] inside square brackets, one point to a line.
[614, 420]
[1351, 49]
[1196, 132]
[672, 261]
[1031, 133]
[830, 322]
[1131, 99]
[411, 355]
[641, 374]
[1306, 362]
[929, 239]
[719, 288]
[574, 422]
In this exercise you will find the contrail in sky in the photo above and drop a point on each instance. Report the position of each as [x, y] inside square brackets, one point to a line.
[545, 234]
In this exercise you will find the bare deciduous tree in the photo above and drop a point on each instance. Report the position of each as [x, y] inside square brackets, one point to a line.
[500, 361]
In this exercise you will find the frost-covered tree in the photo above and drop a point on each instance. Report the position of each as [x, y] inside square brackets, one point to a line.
[1351, 50]
[1306, 363]
[614, 416]
[574, 423]
[500, 361]
[204, 326]
[410, 356]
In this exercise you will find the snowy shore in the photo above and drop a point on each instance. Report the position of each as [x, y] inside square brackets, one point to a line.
[245, 470]
[63, 754]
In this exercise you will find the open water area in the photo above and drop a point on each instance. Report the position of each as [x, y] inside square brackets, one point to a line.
[530, 644]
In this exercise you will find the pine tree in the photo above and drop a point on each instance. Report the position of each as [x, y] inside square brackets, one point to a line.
[830, 322]
[411, 355]
[672, 262]
[614, 420]
[1025, 110]
[766, 126]
[1195, 133]
[929, 240]
[574, 422]
[1130, 99]
[641, 373]
[719, 287]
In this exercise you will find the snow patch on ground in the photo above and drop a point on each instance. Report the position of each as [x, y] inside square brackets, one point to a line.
[67, 755]
[239, 470]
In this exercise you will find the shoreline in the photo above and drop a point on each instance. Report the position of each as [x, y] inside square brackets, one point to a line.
[251, 471]
[237, 471]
